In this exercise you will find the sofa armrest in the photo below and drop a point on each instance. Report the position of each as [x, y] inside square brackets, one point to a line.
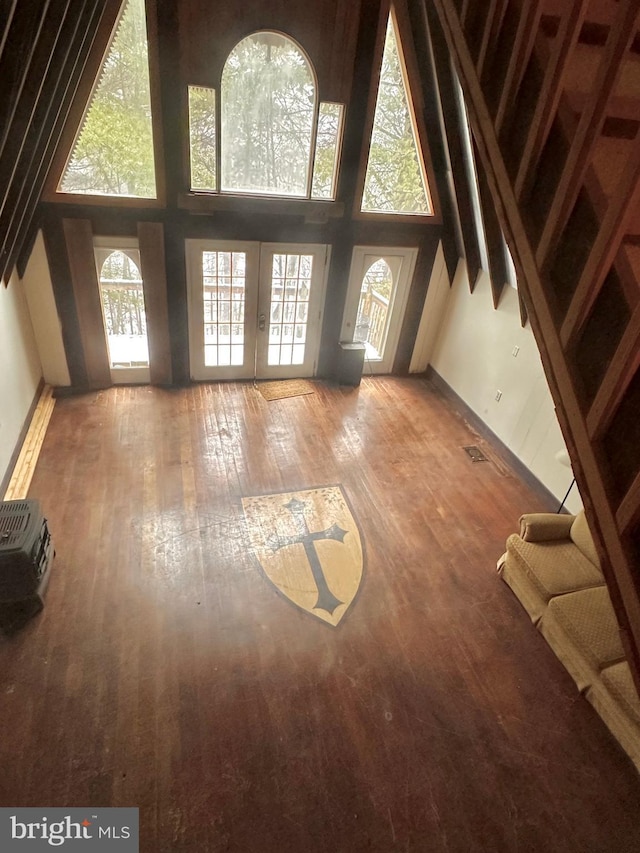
[545, 526]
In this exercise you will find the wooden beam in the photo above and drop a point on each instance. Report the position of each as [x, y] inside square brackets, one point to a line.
[7, 12]
[154, 276]
[623, 367]
[622, 208]
[524, 316]
[519, 58]
[50, 121]
[494, 240]
[629, 510]
[493, 22]
[26, 28]
[84, 278]
[549, 97]
[457, 154]
[590, 125]
[34, 89]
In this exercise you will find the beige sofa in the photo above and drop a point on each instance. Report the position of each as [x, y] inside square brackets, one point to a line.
[553, 569]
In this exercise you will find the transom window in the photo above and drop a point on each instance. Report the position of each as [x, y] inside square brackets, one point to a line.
[275, 138]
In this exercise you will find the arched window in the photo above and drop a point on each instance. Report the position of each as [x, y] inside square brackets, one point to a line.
[123, 309]
[275, 138]
[377, 294]
[268, 106]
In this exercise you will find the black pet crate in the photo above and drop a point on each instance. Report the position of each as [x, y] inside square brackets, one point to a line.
[26, 555]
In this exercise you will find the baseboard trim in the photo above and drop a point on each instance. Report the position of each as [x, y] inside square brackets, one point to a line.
[15, 483]
[480, 426]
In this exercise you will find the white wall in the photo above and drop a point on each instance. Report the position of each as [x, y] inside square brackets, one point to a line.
[20, 370]
[474, 355]
[434, 306]
[44, 316]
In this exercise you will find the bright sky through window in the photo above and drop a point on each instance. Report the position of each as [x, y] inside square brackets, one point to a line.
[395, 181]
[113, 153]
[268, 107]
[202, 138]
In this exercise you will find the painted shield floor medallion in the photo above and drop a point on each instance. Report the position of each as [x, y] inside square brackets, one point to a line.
[308, 545]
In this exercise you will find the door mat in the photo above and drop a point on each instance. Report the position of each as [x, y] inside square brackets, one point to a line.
[285, 388]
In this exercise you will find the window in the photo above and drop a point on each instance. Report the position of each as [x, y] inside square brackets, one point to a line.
[123, 309]
[202, 138]
[395, 180]
[275, 138]
[325, 166]
[113, 152]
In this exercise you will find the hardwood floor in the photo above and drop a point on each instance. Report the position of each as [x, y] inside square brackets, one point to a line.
[166, 672]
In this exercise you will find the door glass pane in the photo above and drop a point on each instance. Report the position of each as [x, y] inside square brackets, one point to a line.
[289, 309]
[122, 299]
[372, 321]
[223, 291]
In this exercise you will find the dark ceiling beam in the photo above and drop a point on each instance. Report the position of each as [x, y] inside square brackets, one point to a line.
[457, 154]
[42, 137]
[15, 61]
[7, 11]
[33, 90]
[494, 241]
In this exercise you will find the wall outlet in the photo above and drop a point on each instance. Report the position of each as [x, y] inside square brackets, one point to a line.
[498, 396]
[515, 351]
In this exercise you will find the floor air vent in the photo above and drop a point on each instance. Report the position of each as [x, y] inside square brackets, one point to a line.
[474, 453]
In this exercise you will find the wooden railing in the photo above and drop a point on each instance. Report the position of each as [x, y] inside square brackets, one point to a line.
[553, 94]
[371, 326]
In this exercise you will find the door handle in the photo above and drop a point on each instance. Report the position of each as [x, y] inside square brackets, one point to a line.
[262, 321]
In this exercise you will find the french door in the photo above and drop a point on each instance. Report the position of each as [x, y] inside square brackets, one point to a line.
[255, 309]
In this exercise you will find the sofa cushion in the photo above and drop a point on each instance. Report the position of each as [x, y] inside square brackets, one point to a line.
[582, 629]
[615, 698]
[581, 536]
[545, 526]
[536, 571]
[619, 681]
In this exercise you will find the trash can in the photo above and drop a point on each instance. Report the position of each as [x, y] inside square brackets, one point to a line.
[350, 362]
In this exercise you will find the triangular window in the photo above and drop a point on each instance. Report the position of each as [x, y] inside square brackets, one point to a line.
[396, 180]
[113, 151]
